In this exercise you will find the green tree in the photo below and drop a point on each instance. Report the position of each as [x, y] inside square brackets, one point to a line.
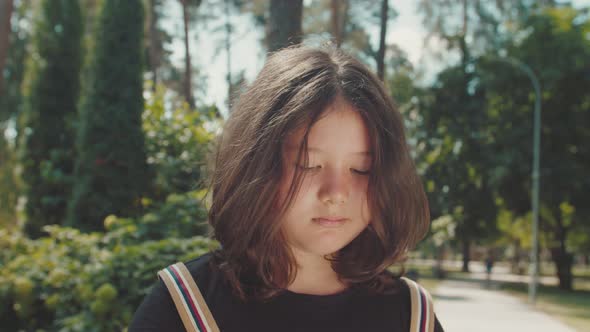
[557, 49]
[6, 8]
[52, 95]
[11, 105]
[457, 143]
[457, 138]
[111, 173]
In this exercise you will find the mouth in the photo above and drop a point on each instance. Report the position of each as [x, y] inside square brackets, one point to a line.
[329, 221]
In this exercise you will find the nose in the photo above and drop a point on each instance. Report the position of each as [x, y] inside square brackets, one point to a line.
[334, 188]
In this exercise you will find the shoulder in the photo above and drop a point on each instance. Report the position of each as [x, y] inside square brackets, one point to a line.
[207, 278]
[412, 287]
[200, 267]
[396, 285]
[157, 310]
[420, 305]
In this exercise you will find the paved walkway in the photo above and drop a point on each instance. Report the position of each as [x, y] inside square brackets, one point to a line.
[501, 271]
[463, 306]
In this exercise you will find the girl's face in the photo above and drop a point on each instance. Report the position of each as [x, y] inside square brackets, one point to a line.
[331, 208]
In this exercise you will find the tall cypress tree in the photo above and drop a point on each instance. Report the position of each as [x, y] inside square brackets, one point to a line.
[53, 88]
[111, 169]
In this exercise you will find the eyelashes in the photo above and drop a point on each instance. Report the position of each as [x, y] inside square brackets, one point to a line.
[317, 168]
[361, 172]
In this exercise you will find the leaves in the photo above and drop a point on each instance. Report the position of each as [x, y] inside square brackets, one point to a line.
[71, 281]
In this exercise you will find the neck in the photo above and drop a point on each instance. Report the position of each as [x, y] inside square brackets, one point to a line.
[315, 276]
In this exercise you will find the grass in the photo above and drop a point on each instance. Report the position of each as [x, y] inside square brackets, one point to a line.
[548, 268]
[581, 271]
[570, 307]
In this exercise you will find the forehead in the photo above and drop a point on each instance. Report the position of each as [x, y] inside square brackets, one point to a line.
[339, 130]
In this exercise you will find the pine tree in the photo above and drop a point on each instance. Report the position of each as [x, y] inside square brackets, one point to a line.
[111, 171]
[52, 95]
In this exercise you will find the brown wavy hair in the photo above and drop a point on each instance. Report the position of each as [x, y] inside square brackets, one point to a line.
[293, 88]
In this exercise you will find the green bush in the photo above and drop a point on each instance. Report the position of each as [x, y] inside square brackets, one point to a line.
[180, 216]
[178, 140]
[70, 281]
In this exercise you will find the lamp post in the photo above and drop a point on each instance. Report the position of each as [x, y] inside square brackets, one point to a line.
[534, 267]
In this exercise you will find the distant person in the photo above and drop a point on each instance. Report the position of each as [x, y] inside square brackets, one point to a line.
[314, 196]
[489, 264]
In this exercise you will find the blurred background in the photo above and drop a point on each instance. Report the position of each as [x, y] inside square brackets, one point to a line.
[109, 110]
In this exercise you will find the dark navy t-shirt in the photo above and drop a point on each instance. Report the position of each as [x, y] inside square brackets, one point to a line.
[351, 310]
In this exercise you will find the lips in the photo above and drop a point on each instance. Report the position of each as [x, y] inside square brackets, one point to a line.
[331, 218]
[330, 221]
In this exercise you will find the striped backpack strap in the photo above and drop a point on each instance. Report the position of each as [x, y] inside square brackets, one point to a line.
[422, 310]
[189, 301]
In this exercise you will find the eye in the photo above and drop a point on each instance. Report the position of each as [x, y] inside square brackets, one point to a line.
[356, 171]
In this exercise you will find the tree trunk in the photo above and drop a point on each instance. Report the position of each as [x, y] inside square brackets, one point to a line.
[562, 259]
[228, 54]
[6, 7]
[284, 24]
[339, 15]
[153, 40]
[465, 19]
[187, 87]
[381, 52]
[439, 271]
[463, 41]
[336, 30]
[466, 255]
[515, 261]
[563, 264]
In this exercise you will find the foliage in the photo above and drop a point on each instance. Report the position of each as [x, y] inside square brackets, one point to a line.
[456, 140]
[177, 143]
[557, 49]
[14, 68]
[47, 154]
[111, 172]
[483, 25]
[180, 216]
[70, 281]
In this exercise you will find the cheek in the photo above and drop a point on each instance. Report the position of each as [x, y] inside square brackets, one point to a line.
[363, 202]
[284, 186]
[366, 214]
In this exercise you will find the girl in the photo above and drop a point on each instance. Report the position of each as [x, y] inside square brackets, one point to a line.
[314, 195]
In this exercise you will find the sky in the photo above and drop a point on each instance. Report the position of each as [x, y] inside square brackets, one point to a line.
[405, 30]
